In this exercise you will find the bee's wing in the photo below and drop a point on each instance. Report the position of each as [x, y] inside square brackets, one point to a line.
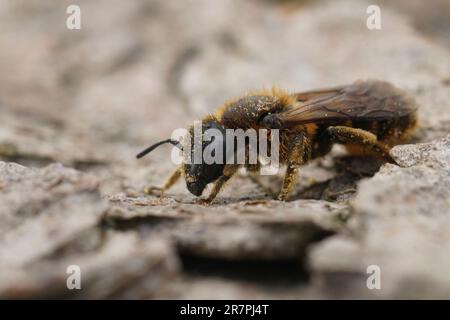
[362, 100]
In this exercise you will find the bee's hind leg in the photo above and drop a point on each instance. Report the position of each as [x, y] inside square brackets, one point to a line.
[173, 178]
[299, 153]
[367, 140]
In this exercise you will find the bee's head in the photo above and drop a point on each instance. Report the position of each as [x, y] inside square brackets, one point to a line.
[203, 167]
[201, 163]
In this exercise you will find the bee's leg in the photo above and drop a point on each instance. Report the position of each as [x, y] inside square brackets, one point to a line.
[299, 153]
[173, 178]
[366, 139]
[228, 172]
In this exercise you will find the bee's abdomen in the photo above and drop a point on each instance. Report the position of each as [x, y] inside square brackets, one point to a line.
[391, 131]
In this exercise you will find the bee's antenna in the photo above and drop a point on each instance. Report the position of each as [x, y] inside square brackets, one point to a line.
[156, 145]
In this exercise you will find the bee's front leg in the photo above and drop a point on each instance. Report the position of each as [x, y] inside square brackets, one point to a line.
[228, 172]
[300, 152]
[173, 178]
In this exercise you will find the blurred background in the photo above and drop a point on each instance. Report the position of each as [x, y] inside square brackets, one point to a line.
[92, 98]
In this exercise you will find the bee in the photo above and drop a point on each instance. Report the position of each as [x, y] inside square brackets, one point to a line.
[367, 117]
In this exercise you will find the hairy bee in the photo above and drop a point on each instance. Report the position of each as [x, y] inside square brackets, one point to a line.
[368, 117]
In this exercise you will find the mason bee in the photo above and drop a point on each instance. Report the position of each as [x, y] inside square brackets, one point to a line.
[368, 117]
